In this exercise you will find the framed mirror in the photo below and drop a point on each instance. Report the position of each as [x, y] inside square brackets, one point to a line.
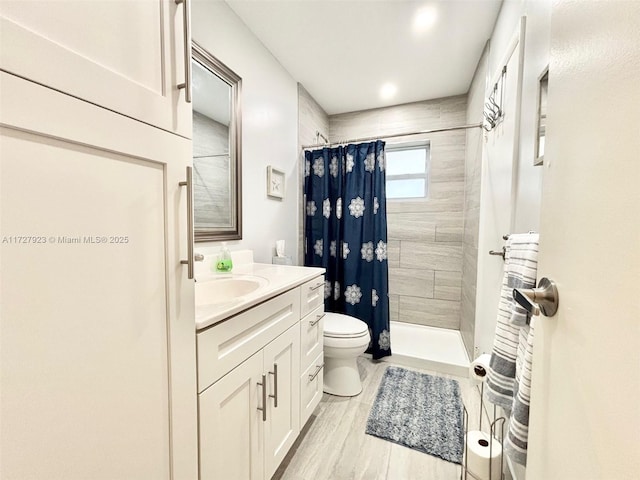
[217, 152]
[541, 120]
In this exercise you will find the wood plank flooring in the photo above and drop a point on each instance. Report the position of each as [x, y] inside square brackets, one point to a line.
[333, 445]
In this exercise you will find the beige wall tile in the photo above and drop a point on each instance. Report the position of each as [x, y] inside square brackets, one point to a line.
[430, 311]
[432, 256]
[415, 282]
[449, 230]
[411, 226]
[393, 253]
[448, 285]
[432, 205]
[394, 307]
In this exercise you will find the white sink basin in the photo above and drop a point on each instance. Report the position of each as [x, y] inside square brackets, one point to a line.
[226, 289]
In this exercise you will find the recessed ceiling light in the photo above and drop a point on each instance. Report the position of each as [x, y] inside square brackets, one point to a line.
[425, 18]
[388, 90]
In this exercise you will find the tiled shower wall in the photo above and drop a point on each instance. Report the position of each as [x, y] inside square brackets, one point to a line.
[425, 236]
[311, 119]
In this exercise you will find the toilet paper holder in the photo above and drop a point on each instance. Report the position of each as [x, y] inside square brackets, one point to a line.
[543, 299]
[496, 427]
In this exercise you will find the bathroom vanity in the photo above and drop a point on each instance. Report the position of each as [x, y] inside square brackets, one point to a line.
[260, 359]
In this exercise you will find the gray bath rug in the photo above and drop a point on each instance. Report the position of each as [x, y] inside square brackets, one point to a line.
[419, 411]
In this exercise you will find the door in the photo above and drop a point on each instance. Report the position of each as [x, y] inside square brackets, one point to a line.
[497, 197]
[585, 414]
[231, 426]
[97, 355]
[122, 55]
[283, 420]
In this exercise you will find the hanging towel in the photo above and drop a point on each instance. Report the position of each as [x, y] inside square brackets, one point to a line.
[520, 265]
[516, 442]
[523, 265]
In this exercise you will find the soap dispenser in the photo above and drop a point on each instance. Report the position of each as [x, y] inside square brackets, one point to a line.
[224, 262]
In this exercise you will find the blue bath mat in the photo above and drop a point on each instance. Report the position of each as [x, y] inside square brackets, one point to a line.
[419, 411]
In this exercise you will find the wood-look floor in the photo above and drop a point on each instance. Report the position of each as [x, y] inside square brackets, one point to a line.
[333, 445]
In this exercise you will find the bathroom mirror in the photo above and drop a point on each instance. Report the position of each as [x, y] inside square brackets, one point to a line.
[541, 123]
[217, 155]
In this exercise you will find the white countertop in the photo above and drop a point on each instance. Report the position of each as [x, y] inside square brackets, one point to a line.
[280, 278]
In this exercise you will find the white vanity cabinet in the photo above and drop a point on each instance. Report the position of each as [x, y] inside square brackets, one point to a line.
[97, 355]
[311, 347]
[249, 371]
[125, 56]
[97, 352]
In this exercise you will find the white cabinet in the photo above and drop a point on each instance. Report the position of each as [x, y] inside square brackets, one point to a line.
[97, 352]
[125, 56]
[311, 358]
[249, 378]
[249, 418]
[231, 426]
[282, 364]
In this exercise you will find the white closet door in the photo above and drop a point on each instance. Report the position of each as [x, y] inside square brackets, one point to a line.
[123, 55]
[97, 357]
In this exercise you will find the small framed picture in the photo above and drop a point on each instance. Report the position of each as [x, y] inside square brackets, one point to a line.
[275, 182]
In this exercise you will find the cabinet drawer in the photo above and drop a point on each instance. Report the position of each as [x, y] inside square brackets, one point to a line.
[311, 339]
[229, 343]
[311, 295]
[311, 384]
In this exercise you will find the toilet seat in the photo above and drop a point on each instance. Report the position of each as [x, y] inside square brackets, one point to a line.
[337, 325]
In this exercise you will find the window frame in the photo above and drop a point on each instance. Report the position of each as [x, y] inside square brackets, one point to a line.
[421, 145]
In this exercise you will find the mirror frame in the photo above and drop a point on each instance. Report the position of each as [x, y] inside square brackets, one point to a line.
[538, 159]
[215, 66]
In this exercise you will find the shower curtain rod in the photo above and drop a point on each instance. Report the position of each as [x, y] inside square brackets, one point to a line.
[370, 139]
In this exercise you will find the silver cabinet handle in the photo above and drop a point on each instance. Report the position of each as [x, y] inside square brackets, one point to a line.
[315, 287]
[313, 323]
[315, 374]
[187, 49]
[542, 299]
[189, 184]
[275, 385]
[264, 397]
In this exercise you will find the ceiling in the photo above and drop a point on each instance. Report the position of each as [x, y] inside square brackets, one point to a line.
[344, 51]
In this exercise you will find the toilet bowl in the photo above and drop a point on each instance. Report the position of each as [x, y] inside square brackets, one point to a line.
[345, 338]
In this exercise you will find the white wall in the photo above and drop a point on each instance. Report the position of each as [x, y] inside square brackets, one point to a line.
[527, 180]
[269, 128]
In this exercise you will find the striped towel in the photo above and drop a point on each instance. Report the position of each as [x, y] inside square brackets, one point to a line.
[509, 376]
[515, 444]
[519, 268]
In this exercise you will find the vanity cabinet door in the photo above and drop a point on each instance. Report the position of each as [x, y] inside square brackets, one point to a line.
[283, 421]
[125, 56]
[311, 385]
[231, 426]
[97, 355]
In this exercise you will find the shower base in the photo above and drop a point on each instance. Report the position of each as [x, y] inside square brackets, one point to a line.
[430, 348]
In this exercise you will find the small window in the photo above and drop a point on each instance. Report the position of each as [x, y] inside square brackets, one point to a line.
[407, 171]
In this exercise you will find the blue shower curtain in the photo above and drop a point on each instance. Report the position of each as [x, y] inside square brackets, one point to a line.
[346, 233]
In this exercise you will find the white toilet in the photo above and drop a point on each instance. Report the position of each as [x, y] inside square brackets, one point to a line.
[345, 338]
